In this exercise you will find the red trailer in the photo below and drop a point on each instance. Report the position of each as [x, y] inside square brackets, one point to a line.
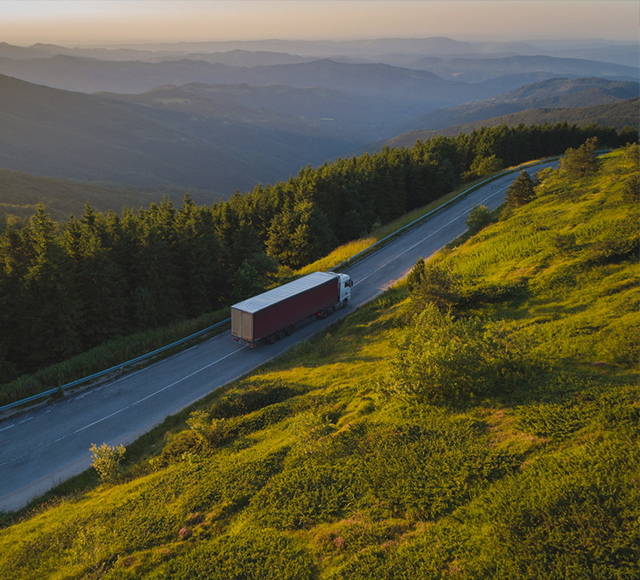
[273, 314]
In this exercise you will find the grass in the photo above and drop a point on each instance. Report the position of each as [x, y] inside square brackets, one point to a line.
[314, 467]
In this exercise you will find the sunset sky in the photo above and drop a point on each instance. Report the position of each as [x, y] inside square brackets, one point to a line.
[79, 22]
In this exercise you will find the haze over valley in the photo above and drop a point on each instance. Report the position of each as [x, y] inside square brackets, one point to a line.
[216, 117]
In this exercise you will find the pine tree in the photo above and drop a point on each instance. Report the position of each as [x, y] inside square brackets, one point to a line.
[582, 161]
[521, 191]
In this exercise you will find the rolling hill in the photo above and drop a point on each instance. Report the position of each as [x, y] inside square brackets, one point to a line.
[56, 133]
[559, 93]
[617, 115]
[20, 194]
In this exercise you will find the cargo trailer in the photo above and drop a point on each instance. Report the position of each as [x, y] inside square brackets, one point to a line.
[272, 315]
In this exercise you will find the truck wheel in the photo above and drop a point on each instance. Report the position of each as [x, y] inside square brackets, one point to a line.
[280, 334]
[289, 330]
[324, 314]
[271, 339]
[332, 309]
[344, 303]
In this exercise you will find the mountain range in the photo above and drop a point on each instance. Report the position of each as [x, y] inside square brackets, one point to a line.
[223, 138]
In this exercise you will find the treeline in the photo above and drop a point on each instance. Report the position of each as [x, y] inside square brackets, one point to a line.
[67, 287]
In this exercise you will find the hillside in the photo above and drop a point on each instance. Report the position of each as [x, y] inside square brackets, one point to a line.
[20, 194]
[326, 112]
[499, 440]
[557, 93]
[618, 115]
[57, 133]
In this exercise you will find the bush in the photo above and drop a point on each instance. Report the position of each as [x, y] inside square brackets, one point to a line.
[106, 461]
[445, 361]
[432, 282]
[479, 218]
[186, 442]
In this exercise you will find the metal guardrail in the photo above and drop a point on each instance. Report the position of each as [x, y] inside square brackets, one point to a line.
[360, 255]
[345, 264]
[112, 369]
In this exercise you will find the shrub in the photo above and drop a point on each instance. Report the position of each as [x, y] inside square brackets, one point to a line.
[106, 461]
[479, 218]
[433, 282]
[446, 361]
[186, 442]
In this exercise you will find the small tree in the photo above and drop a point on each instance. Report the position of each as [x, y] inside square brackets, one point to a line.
[582, 161]
[433, 282]
[521, 191]
[479, 218]
[106, 461]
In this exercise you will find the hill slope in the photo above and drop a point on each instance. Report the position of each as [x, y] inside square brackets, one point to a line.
[482, 444]
[556, 93]
[20, 194]
[618, 115]
[63, 134]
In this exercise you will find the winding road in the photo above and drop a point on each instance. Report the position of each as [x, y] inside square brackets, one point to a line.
[44, 445]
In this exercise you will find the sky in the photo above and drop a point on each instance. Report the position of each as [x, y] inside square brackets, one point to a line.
[82, 22]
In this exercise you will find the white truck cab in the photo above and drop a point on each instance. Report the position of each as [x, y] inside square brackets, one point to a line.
[346, 283]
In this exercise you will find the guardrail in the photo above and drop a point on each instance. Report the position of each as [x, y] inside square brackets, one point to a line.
[112, 369]
[373, 247]
[345, 264]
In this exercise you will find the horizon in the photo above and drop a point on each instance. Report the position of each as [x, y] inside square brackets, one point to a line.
[125, 22]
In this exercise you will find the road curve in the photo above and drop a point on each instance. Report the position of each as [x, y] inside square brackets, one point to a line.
[47, 444]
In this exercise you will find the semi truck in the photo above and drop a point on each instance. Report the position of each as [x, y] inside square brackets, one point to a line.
[272, 315]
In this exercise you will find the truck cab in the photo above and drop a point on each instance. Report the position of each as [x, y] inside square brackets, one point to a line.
[346, 283]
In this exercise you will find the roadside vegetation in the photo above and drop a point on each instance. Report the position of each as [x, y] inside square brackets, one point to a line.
[479, 420]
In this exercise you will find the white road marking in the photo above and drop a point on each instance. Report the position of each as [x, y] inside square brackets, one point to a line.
[425, 239]
[127, 407]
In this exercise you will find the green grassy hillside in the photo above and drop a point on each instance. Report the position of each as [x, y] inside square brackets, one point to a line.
[497, 438]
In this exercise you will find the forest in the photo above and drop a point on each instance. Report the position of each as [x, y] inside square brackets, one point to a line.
[67, 287]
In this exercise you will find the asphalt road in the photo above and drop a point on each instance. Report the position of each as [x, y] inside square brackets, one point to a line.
[49, 443]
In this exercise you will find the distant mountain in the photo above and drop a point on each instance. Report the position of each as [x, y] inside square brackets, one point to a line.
[332, 113]
[402, 85]
[617, 115]
[564, 93]
[63, 134]
[396, 51]
[476, 70]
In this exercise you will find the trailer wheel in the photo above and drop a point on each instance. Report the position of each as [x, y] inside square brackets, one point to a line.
[271, 339]
[289, 330]
[323, 314]
[332, 309]
[280, 334]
